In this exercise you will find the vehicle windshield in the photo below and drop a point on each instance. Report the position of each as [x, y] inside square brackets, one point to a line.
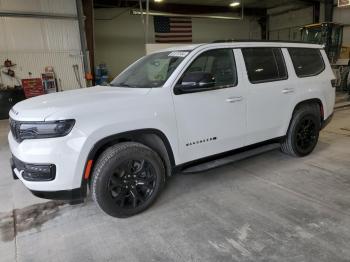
[150, 71]
[312, 35]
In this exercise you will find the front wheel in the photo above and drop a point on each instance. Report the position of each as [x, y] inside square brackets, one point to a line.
[127, 179]
[303, 132]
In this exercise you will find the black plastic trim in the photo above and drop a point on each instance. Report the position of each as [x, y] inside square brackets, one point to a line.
[12, 164]
[20, 165]
[261, 41]
[73, 194]
[326, 121]
[195, 162]
[107, 139]
[177, 91]
[124, 135]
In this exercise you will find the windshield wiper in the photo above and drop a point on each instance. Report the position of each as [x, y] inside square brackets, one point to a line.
[122, 85]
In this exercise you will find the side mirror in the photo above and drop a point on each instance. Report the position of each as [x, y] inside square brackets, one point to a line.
[195, 82]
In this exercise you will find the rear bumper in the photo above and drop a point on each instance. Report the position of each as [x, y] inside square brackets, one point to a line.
[326, 121]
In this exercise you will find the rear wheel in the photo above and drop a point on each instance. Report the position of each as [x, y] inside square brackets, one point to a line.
[127, 179]
[303, 132]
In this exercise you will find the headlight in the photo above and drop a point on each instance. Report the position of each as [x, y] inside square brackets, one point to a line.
[35, 130]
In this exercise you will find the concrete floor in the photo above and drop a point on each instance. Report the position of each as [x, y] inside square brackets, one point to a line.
[267, 208]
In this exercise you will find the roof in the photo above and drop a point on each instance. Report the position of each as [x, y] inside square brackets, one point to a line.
[323, 23]
[239, 44]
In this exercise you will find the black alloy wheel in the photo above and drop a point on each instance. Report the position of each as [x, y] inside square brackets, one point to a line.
[306, 134]
[127, 179]
[303, 131]
[132, 183]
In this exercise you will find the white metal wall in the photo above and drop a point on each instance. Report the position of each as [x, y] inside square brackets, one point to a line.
[33, 43]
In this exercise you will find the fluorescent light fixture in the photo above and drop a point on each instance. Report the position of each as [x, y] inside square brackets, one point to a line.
[158, 1]
[235, 4]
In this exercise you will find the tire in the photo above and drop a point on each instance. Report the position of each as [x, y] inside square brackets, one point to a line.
[303, 131]
[127, 179]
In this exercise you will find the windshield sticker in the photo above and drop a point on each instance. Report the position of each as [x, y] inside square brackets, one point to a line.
[178, 54]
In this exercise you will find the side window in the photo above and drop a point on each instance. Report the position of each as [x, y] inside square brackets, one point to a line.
[306, 61]
[218, 63]
[264, 64]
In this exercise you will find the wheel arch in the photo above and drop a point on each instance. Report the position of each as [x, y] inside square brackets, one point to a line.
[153, 138]
[317, 101]
[288, 144]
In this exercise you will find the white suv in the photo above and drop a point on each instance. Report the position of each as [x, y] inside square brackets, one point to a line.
[183, 109]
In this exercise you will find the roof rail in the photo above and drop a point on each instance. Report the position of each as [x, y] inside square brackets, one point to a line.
[253, 41]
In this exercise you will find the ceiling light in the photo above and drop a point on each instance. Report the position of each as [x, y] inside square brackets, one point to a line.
[158, 1]
[235, 4]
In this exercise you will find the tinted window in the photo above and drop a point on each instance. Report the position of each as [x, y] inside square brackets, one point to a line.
[264, 64]
[306, 61]
[220, 63]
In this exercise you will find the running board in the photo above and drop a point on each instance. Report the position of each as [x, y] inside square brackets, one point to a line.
[230, 159]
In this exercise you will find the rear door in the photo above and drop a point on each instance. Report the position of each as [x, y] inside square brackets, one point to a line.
[270, 93]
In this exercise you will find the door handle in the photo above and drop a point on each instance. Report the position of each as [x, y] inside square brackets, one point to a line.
[234, 99]
[288, 90]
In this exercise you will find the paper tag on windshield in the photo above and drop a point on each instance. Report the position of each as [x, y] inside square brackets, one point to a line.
[178, 54]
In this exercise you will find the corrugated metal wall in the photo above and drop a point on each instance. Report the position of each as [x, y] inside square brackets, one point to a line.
[33, 43]
[48, 6]
[34, 63]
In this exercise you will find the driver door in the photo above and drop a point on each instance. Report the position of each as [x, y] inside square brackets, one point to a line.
[211, 120]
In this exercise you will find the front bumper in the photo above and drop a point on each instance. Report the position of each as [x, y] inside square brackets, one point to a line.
[20, 169]
[63, 159]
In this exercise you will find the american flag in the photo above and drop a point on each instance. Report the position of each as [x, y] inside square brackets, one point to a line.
[172, 29]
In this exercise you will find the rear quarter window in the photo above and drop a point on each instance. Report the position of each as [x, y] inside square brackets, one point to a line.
[306, 61]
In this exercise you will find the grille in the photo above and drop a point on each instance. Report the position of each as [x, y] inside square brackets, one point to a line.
[15, 129]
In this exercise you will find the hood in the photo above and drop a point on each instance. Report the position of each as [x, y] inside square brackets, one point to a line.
[42, 107]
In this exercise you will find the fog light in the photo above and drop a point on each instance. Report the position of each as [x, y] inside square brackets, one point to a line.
[39, 172]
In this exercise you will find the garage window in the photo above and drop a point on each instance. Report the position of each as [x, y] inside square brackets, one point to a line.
[306, 61]
[264, 64]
